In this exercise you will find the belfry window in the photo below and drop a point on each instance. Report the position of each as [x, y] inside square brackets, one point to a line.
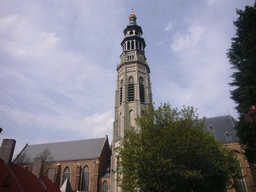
[128, 45]
[142, 90]
[66, 174]
[130, 89]
[132, 44]
[121, 93]
[85, 179]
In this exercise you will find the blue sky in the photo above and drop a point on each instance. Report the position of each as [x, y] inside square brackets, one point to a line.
[58, 62]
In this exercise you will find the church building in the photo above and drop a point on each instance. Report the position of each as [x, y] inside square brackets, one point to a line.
[91, 164]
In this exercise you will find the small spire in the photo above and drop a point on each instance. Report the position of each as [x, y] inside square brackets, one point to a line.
[132, 14]
[132, 18]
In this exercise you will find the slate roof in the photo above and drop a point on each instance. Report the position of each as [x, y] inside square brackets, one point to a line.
[223, 128]
[70, 150]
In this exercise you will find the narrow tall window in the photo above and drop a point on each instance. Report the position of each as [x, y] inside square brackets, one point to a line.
[105, 186]
[47, 171]
[66, 174]
[142, 90]
[130, 89]
[85, 179]
[128, 45]
[121, 93]
[132, 44]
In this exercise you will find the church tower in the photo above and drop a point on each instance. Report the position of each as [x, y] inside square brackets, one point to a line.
[133, 89]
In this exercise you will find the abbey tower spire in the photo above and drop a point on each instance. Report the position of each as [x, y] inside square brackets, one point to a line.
[133, 89]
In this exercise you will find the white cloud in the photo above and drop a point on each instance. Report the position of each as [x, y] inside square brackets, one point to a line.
[187, 39]
[22, 39]
[169, 27]
[96, 125]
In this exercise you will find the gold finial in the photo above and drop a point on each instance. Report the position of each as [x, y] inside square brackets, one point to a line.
[132, 15]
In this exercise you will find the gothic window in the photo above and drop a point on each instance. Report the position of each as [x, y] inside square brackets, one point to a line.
[240, 184]
[142, 90]
[130, 89]
[66, 174]
[131, 119]
[121, 93]
[85, 179]
[47, 171]
[105, 186]
[130, 80]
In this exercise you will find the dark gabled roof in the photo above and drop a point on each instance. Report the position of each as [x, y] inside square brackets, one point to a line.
[16, 179]
[7, 180]
[26, 180]
[70, 150]
[51, 187]
[222, 128]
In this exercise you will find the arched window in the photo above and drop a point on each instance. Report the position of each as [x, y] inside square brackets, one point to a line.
[128, 45]
[85, 179]
[142, 90]
[130, 89]
[47, 171]
[130, 80]
[132, 44]
[121, 93]
[66, 174]
[105, 186]
[131, 119]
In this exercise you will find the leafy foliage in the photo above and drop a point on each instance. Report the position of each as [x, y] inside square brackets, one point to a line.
[242, 56]
[172, 152]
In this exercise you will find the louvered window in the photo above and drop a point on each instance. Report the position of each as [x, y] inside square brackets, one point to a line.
[121, 95]
[142, 90]
[85, 179]
[131, 89]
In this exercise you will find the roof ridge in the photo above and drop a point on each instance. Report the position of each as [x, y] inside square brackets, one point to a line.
[219, 116]
[66, 141]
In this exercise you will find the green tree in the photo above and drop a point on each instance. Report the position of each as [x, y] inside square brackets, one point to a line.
[242, 56]
[172, 152]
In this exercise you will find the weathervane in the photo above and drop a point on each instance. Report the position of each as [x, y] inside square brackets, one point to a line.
[132, 10]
